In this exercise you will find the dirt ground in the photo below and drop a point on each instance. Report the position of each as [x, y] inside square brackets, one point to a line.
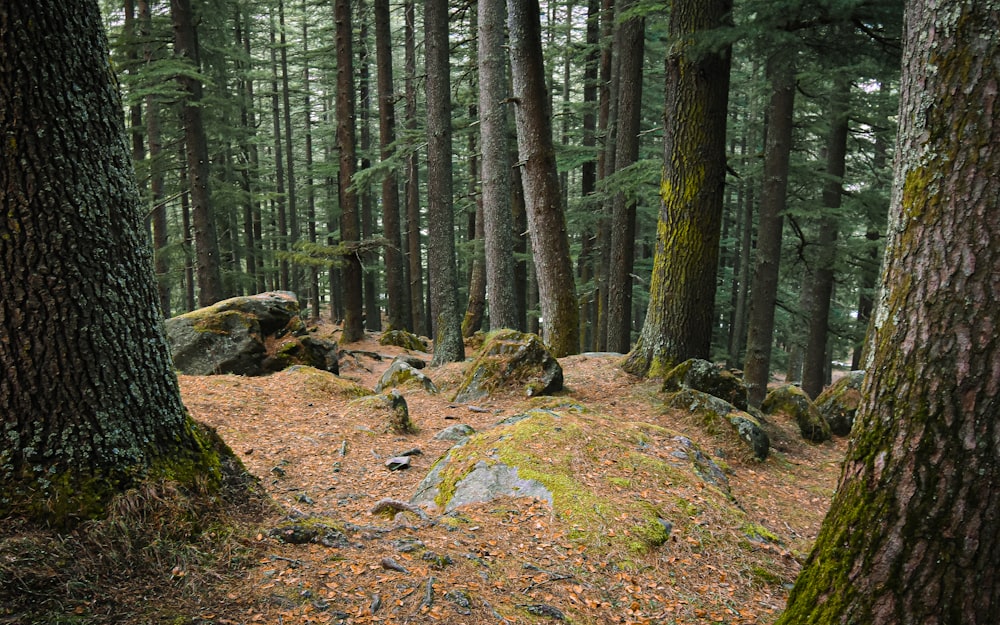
[510, 561]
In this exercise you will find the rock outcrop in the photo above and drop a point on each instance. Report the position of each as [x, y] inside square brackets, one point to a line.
[839, 402]
[232, 336]
[793, 402]
[512, 361]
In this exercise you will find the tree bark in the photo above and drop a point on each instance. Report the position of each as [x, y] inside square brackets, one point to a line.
[815, 364]
[158, 212]
[89, 402]
[279, 166]
[373, 312]
[353, 326]
[310, 188]
[630, 41]
[911, 537]
[397, 302]
[764, 289]
[413, 247]
[448, 345]
[680, 316]
[206, 243]
[546, 220]
[290, 197]
[498, 220]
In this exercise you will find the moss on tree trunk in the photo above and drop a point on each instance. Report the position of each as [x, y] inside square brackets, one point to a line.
[88, 399]
[912, 536]
[678, 323]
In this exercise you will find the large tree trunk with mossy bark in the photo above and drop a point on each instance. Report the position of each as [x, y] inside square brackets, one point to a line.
[543, 199]
[88, 399]
[679, 319]
[911, 537]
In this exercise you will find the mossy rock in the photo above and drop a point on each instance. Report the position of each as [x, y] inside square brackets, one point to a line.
[321, 385]
[390, 409]
[401, 374]
[306, 350]
[707, 377]
[230, 336]
[793, 402]
[404, 339]
[513, 361]
[574, 460]
[719, 417]
[839, 402]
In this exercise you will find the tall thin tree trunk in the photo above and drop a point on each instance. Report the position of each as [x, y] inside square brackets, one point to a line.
[630, 41]
[397, 300]
[210, 289]
[546, 220]
[412, 187]
[497, 218]
[158, 214]
[310, 182]
[606, 125]
[373, 313]
[815, 364]
[353, 327]
[279, 166]
[293, 215]
[764, 289]
[445, 315]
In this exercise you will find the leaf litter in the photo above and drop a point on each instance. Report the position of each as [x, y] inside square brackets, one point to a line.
[370, 558]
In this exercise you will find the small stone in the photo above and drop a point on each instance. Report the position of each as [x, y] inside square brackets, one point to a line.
[398, 463]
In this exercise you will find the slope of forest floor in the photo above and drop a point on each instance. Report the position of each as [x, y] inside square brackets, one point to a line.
[322, 461]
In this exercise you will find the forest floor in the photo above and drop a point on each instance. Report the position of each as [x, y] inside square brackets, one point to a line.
[511, 561]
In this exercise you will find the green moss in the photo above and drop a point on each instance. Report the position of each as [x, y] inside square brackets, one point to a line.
[756, 531]
[64, 498]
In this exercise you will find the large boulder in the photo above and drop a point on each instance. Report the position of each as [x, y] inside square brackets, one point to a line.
[719, 417]
[404, 339]
[232, 336]
[793, 402]
[702, 375]
[839, 402]
[571, 459]
[515, 361]
[402, 374]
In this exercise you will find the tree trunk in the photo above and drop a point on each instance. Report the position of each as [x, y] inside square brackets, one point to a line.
[630, 42]
[397, 303]
[89, 402]
[764, 288]
[293, 215]
[498, 220]
[448, 345]
[248, 168]
[588, 178]
[911, 537]
[815, 364]
[680, 315]
[546, 221]
[310, 189]
[279, 166]
[413, 247]
[373, 312]
[158, 212]
[206, 243]
[607, 123]
[353, 328]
